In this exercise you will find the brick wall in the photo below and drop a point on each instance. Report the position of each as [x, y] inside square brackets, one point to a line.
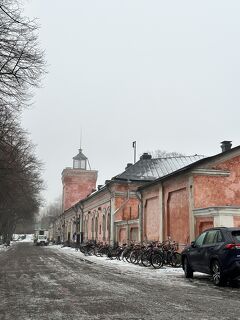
[212, 191]
[176, 209]
[77, 184]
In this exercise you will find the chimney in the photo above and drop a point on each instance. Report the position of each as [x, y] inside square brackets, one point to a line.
[226, 145]
[145, 156]
[128, 165]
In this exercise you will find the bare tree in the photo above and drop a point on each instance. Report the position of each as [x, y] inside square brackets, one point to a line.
[21, 60]
[20, 180]
[21, 68]
[51, 213]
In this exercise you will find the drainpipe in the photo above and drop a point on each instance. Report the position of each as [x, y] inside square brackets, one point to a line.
[111, 231]
[80, 206]
[75, 208]
[140, 218]
[63, 226]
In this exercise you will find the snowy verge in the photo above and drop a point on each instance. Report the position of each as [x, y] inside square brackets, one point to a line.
[4, 248]
[124, 267]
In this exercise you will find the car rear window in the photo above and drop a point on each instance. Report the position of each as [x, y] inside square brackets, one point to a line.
[236, 236]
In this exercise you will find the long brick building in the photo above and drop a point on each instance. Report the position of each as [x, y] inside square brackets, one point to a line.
[153, 198]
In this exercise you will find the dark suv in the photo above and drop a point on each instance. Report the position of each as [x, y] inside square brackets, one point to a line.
[217, 252]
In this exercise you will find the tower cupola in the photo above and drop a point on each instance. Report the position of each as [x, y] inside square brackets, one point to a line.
[80, 161]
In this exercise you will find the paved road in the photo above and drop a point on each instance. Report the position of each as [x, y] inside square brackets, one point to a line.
[45, 283]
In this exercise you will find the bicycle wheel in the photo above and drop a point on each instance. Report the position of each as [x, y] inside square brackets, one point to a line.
[112, 254]
[101, 252]
[176, 260]
[146, 259]
[157, 261]
[82, 249]
[127, 256]
[134, 257]
[97, 252]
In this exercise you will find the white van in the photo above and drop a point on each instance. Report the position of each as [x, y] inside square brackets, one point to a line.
[41, 240]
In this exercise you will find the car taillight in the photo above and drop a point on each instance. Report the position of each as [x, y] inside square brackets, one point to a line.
[232, 246]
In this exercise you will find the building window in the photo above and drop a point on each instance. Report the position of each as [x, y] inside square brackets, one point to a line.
[83, 164]
[96, 228]
[92, 228]
[104, 227]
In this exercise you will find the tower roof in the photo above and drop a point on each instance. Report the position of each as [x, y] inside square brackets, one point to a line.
[80, 156]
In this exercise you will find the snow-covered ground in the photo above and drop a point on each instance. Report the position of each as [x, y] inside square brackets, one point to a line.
[16, 239]
[123, 267]
[52, 283]
[29, 238]
[3, 248]
[23, 237]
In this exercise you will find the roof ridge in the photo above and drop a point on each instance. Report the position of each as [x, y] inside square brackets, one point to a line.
[170, 157]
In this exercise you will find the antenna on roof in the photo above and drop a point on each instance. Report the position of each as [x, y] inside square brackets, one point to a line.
[81, 139]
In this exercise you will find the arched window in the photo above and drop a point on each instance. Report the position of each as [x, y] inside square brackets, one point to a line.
[108, 222]
[104, 227]
[84, 228]
[96, 228]
[92, 228]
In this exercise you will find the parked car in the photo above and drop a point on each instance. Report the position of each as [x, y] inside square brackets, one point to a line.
[216, 251]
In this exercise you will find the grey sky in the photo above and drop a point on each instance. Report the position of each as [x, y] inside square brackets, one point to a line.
[164, 73]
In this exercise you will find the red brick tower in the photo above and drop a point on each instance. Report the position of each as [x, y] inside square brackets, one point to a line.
[78, 182]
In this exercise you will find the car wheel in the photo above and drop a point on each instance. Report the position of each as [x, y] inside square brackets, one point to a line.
[217, 275]
[187, 268]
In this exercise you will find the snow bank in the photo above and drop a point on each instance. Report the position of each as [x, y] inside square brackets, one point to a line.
[3, 248]
[23, 237]
[123, 267]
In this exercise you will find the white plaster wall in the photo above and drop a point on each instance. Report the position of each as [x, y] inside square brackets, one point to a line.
[223, 221]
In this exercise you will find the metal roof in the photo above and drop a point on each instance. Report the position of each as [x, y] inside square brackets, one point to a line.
[80, 156]
[151, 169]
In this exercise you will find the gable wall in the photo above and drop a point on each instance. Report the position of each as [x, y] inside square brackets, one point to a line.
[212, 191]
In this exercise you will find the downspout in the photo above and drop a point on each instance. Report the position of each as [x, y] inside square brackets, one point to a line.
[80, 206]
[62, 221]
[111, 233]
[75, 208]
[140, 198]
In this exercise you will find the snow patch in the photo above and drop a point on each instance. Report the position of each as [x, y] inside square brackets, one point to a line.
[170, 276]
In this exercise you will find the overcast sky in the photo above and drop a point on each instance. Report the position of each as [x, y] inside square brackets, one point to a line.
[163, 73]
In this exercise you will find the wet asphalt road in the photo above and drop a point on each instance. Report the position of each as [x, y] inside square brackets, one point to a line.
[45, 283]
